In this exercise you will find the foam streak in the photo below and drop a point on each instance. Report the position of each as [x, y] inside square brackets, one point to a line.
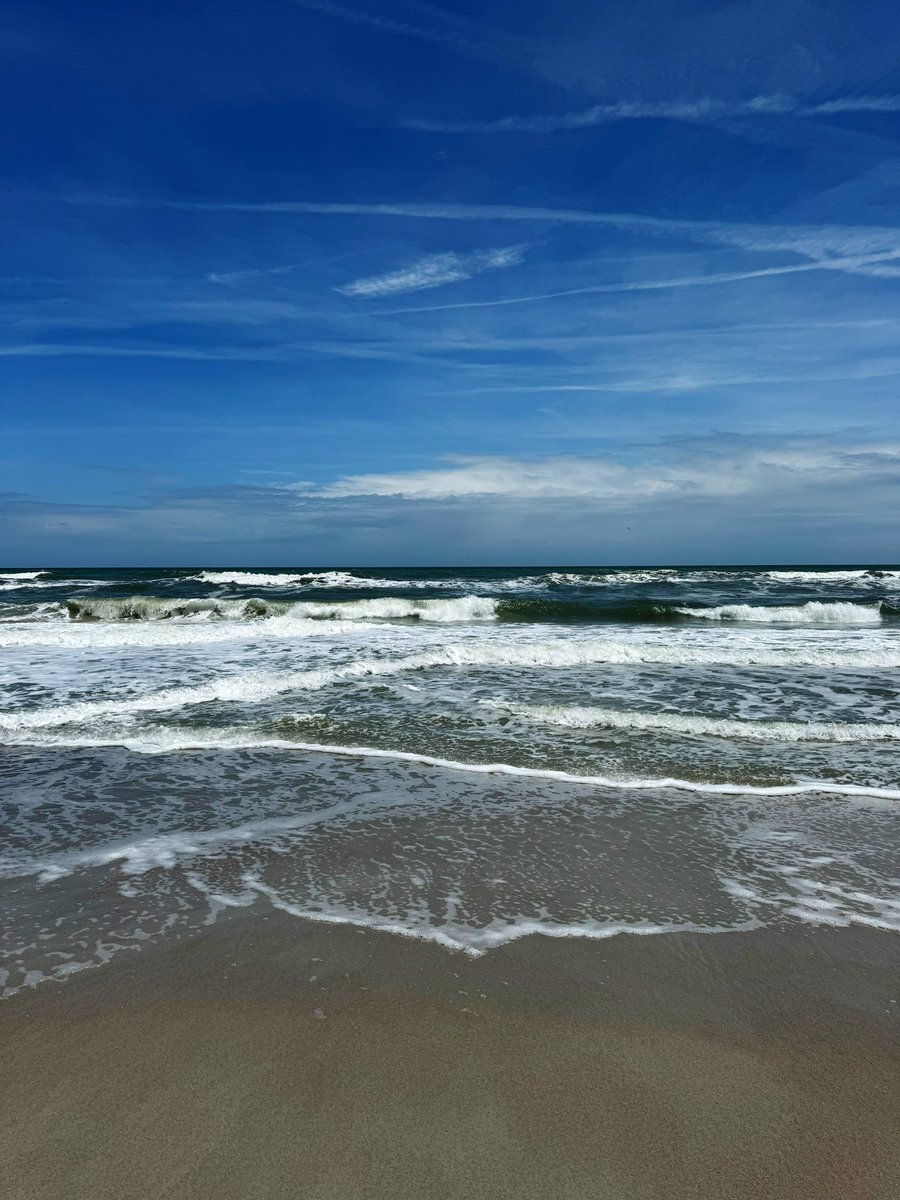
[190, 740]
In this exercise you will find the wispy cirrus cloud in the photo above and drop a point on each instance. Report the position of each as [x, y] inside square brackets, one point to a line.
[855, 264]
[703, 111]
[822, 242]
[434, 270]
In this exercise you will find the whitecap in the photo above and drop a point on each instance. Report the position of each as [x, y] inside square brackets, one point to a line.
[696, 724]
[814, 612]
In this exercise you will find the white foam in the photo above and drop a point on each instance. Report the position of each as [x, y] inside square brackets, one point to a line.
[253, 686]
[462, 608]
[815, 612]
[476, 941]
[611, 578]
[189, 631]
[863, 574]
[578, 717]
[617, 577]
[820, 902]
[172, 741]
[165, 850]
[320, 579]
[22, 575]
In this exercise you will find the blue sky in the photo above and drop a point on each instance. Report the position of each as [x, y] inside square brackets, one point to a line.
[356, 282]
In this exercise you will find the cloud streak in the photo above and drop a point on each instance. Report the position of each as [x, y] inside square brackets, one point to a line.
[859, 264]
[432, 271]
[700, 470]
[702, 111]
[816, 241]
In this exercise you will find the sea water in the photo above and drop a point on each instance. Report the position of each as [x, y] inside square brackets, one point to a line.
[461, 755]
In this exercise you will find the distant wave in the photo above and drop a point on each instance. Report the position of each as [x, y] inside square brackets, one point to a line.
[815, 612]
[333, 579]
[602, 578]
[683, 575]
[859, 575]
[12, 580]
[578, 717]
[314, 579]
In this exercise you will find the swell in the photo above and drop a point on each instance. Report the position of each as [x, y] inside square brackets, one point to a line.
[694, 724]
[255, 686]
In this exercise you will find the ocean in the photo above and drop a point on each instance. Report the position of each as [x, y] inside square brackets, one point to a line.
[466, 756]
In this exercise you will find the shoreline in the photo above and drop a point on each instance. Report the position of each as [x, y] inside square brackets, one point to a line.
[274, 1057]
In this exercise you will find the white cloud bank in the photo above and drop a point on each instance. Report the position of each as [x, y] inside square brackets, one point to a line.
[725, 498]
[714, 469]
[434, 270]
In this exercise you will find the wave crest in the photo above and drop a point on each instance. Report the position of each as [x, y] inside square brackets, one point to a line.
[320, 579]
[153, 608]
[814, 612]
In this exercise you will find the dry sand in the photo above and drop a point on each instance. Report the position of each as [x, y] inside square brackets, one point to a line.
[277, 1058]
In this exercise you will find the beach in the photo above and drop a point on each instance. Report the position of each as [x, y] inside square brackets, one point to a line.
[450, 883]
[449, 601]
[269, 1058]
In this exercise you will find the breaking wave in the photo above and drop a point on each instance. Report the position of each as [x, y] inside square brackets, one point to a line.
[152, 608]
[321, 579]
[815, 612]
[578, 717]
[862, 574]
[611, 578]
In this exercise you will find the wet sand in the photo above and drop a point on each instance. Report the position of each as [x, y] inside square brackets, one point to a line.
[276, 1058]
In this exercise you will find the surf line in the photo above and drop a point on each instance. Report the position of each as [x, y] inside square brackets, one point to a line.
[599, 781]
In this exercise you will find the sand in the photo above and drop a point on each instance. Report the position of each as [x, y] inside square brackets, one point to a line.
[272, 1057]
